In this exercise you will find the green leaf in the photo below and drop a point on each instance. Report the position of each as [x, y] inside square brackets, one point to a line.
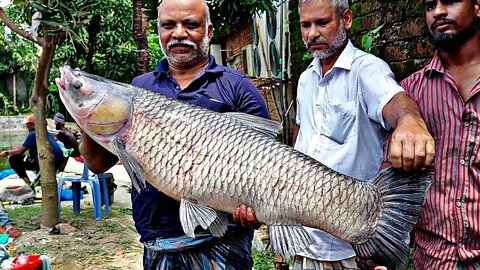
[52, 23]
[39, 7]
[367, 42]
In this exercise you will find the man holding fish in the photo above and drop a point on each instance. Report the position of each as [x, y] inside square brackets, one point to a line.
[190, 74]
[347, 100]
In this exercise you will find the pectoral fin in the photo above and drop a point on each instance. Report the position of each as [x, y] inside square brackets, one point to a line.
[288, 240]
[193, 215]
[133, 168]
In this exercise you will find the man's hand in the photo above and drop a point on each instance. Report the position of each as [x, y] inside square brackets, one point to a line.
[245, 215]
[363, 265]
[3, 154]
[411, 145]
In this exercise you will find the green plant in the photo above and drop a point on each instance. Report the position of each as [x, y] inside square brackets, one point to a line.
[370, 41]
[263, 259]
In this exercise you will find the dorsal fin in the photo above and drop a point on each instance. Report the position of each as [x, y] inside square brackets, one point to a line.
[260, 124]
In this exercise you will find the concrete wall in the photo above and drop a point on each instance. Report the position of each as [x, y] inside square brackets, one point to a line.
[13, 132]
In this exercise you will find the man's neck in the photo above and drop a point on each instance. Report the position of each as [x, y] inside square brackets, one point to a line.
[184, 75]
[467, 55]
[328, 63]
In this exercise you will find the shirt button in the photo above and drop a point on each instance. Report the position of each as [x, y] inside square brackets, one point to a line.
[462, 162]
[459, 204]
[466, 124]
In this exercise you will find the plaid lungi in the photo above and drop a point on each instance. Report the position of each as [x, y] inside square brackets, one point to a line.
[204, 252]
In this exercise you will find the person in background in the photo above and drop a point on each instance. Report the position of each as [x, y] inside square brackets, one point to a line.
[6, 223]
[20, 162]
[189, 73]
[66, 136]
[447, 235]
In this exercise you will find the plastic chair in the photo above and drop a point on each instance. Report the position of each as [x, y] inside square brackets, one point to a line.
[94, 182]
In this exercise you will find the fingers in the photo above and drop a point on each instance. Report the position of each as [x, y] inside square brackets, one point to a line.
[367, 265]
[408, 151]
[246, 216]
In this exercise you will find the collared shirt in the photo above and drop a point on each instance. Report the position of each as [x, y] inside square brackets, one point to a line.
[448, 230]
[217, 88]
[342, 124]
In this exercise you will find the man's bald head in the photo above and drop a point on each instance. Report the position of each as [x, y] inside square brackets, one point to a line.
[200, 2]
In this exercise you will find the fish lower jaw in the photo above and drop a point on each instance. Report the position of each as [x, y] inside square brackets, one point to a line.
[105, 129]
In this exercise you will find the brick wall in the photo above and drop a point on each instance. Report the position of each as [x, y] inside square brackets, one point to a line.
[234, 44]
[403, 41]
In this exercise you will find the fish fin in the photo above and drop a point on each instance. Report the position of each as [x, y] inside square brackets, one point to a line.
[389, 245]
[133, 168]
[193, 215]
[260, 124]
[288, 240]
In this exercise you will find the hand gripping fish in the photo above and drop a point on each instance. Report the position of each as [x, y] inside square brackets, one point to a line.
[214, 162]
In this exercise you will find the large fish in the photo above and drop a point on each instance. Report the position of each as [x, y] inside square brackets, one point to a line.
[213, 162]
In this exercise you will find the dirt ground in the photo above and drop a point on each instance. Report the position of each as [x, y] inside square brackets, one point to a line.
[110, 243]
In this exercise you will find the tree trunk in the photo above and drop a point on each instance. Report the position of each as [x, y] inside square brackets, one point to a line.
[140, 25]
[45, 154]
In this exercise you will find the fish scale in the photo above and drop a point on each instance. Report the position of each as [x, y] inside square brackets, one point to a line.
[209, 160]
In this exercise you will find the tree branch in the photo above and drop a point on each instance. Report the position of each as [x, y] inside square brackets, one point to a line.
[16, 29]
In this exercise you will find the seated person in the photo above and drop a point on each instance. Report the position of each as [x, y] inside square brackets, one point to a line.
[21, 163]
[65, 135]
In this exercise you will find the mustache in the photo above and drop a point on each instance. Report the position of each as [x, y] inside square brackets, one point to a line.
[176, 42]
[437, 23]
[316, 41]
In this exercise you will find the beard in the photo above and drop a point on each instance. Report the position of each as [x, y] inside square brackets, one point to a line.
[333, 47]
[200, 51]
[453, 42]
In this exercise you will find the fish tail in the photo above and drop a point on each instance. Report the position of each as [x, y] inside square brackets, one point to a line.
[403, 196]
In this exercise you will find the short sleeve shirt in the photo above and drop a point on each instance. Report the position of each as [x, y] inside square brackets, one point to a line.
[217, 88]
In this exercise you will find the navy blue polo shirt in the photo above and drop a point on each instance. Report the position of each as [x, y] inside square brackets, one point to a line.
[217, 88]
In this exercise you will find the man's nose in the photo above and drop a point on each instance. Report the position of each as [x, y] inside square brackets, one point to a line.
[180, 32]
[440, 10]
[313, 33]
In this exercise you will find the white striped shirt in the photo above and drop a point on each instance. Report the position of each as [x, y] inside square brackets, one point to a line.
[448, 229]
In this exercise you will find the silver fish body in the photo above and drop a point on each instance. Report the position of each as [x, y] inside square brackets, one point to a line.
[209, 161]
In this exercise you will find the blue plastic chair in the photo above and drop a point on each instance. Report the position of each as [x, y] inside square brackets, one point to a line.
[94, 182]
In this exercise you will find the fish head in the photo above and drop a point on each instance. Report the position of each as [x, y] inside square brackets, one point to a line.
[101, 107]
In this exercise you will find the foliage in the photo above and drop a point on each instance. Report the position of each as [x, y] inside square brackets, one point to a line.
[225, 14]
[108, 38]
[263, 259]
[6, 106]
[370, 39]
[154, 49]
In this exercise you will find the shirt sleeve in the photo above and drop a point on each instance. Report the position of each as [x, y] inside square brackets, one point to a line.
[378, 86]
[251, 101]
[30, 141]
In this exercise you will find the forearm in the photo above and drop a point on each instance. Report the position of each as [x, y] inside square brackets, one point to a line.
[295, 134]
[98, 158]
[402, 110]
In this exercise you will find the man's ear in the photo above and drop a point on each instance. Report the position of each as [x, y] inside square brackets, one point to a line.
[210, 31]
[347, 18]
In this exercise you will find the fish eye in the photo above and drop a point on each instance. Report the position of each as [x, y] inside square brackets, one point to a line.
[77, 85]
